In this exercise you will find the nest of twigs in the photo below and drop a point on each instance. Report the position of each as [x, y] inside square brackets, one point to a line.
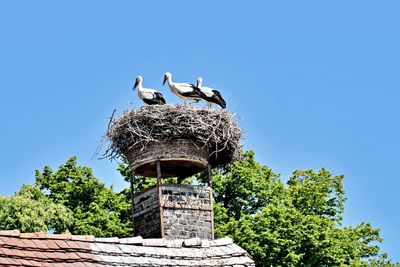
[215, 130]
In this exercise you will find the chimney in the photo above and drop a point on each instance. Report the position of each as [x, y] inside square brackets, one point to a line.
[167, 141]
[174, 211]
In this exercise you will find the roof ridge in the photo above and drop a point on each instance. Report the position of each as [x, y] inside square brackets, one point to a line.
[35, 249]
[43, 235]
[137, 240]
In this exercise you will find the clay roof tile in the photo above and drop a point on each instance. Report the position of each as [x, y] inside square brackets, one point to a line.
[40, 249]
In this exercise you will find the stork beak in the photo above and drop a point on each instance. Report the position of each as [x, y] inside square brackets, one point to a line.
[136, 84]
[165, 79]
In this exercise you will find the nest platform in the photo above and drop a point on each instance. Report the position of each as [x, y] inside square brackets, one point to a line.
[184, 139]
[178, 158]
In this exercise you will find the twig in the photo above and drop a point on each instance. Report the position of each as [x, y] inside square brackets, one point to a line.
[215, 130]
[109, 122]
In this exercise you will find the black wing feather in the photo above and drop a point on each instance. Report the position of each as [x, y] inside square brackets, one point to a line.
[195, 93]
[160, 97]
[157, 100]
[218, 97]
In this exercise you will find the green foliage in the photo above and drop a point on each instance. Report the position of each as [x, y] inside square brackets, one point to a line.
[96, 209]
[294, 225]
[141, 182]
[317, 194]
[30, 211]
[245, 187]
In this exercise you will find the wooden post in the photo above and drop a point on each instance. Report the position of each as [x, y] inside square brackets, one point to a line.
[158, 163]
[211, 199]
[159, 190]
[209, 175]
[133, 205]
[212, 213]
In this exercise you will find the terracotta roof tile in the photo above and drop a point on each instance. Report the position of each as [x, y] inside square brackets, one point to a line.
[33, 235]
[86, 257]
[58, 236]
[51, 244]
[39, 249]
[4, 261]
[10, 233]
[29, 254]
[79, 264]
[62, 244]
[27, 243]
[24, 262]
[8, 241]
[83, 237]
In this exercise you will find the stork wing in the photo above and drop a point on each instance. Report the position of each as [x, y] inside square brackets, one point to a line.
[185, 87]
[189, 90]
[160, 98]
[207, 91]
[219, 100]
[147, 94]
[152, 101]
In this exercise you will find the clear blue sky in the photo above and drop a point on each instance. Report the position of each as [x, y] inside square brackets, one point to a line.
[314, 84]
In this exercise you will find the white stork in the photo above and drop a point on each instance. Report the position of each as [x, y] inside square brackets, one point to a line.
[210, 95]
[185, 91]
[149, 96]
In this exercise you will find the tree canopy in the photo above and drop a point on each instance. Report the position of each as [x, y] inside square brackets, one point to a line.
[95, 209]
[297, 223]
[29, 210]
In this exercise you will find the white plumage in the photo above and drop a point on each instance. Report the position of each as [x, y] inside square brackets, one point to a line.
[185, 91]
[210, 95]
[149, 96]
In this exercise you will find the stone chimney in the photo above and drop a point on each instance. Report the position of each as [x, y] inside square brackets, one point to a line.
[174, 211]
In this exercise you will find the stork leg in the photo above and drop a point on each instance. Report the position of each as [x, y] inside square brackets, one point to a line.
[194, 102]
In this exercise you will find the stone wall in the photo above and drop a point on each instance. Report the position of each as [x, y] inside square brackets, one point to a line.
[184, 212]
[187, 223]
[147, 214]
[187, 211]
[186, 196]
[147, 225]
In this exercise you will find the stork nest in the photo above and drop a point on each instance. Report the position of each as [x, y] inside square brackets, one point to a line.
[215, 130]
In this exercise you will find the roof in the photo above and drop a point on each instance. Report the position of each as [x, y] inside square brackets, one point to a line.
[41, 249]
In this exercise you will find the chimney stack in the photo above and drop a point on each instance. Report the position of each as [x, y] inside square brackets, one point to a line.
[174, 211]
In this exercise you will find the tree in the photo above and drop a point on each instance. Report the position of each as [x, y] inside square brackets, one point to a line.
[30, 211]
[295, 225]
[95, 209]
[299, 223]
[245, 187]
